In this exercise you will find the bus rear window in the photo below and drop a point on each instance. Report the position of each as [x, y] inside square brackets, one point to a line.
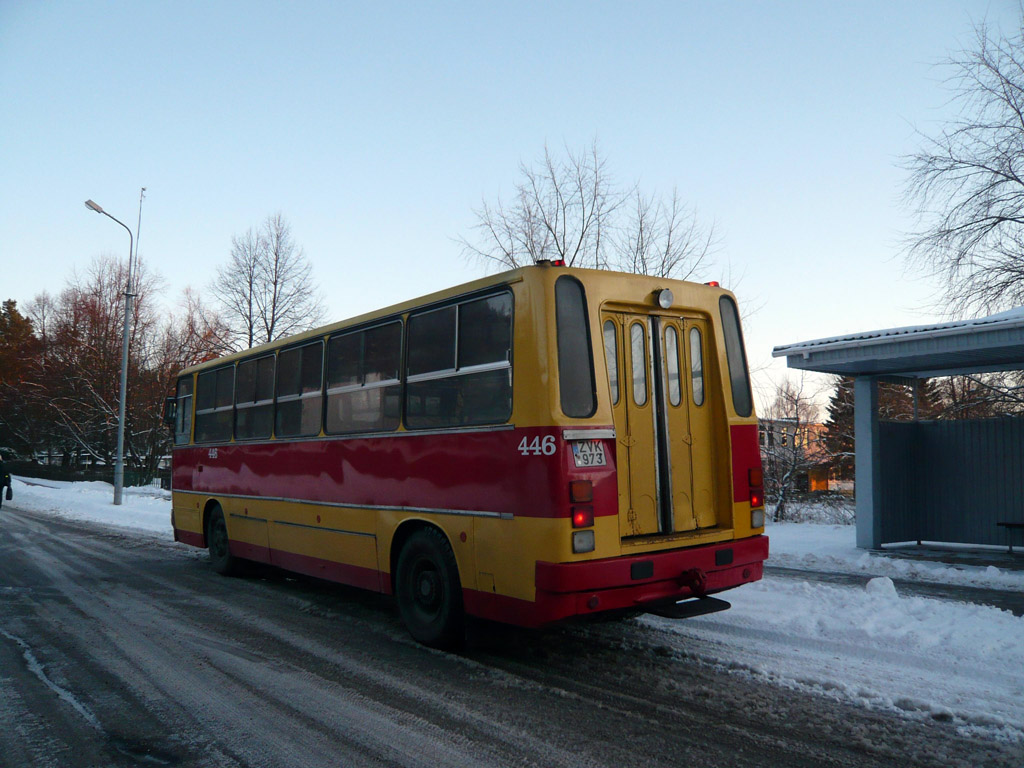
[737, 357]
[575, 363]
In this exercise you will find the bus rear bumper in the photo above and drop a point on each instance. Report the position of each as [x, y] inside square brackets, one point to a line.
[595, 586]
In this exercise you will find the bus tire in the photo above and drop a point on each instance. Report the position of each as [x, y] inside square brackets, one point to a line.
[429, 592]
[217, 540]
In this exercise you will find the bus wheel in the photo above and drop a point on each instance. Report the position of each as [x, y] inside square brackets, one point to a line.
[428, 590]
[221, 559]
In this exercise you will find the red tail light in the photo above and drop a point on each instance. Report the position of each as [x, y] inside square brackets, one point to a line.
[756, 497]
[582, 517]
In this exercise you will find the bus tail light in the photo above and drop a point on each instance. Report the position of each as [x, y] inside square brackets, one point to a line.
[581, 491]
[582, 517]
[755, 479]
[582, 541]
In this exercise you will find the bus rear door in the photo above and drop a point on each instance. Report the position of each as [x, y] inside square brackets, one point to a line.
[665, 471]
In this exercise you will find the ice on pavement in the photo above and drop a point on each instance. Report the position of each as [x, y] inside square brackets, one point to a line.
[954, 662]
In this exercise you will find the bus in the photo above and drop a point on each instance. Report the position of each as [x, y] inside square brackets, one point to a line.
[537, 445]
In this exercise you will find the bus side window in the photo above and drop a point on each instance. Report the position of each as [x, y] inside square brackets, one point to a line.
[299, 390]
[254, 398]
[459, 364]
[362, 379]
[611, 356]
[214, 405]
[183, 412]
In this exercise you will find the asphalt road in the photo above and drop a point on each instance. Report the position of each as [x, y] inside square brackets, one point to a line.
[126, 650]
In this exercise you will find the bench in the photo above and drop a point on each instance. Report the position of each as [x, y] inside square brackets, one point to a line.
[1010, 528]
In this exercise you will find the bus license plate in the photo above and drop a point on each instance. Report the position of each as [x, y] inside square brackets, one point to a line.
[588, 453]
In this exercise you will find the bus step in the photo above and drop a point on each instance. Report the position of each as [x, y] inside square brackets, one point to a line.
[689, 608]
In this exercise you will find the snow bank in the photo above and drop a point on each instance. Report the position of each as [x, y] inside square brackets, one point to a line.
[923, 658]
[833, 548]
[147, 508]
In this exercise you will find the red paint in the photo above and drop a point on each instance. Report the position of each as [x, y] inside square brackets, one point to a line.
[567, 593]
[364, 578]
[746, 455]
[592, 575]
[473, 471]
[188, 537]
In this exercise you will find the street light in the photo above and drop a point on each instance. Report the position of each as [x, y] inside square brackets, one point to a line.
[119, 462]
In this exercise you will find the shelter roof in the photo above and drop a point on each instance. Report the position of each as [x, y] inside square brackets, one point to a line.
[993, 343]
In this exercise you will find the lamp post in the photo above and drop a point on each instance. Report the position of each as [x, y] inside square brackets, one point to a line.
[119, 461]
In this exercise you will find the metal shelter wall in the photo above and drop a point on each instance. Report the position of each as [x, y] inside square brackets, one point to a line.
[951, 481]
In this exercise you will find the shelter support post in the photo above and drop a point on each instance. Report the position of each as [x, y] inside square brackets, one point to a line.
[867, 462]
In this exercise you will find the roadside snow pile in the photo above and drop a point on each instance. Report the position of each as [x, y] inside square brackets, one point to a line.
[953, 662]
[146, 508]
[833, 548]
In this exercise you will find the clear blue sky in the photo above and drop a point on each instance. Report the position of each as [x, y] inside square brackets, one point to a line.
[376, 128]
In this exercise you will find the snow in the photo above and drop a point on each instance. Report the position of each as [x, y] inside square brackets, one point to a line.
[833, 548]
[145, 509]
[954, 662]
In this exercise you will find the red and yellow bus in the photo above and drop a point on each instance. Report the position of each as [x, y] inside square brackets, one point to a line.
[532, 446]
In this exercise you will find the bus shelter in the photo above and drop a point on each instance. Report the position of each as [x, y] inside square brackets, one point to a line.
[939, 481]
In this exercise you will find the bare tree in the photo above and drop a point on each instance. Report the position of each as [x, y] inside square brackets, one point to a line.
[967, 182]
[790, 444]
[663, 238]
[266, 289]
[570, 208]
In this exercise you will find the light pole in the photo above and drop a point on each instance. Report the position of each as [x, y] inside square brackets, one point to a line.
[119, 461]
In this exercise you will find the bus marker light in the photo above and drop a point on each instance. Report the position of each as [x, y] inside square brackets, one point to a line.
[581, 491]
[714, 284]
[558, 263]
[582, 517]
[582, 541]
[756, 497]
[593, 602]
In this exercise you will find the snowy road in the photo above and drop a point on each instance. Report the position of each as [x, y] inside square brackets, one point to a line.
[122, 649]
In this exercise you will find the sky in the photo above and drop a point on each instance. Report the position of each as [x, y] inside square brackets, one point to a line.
[377, 128]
